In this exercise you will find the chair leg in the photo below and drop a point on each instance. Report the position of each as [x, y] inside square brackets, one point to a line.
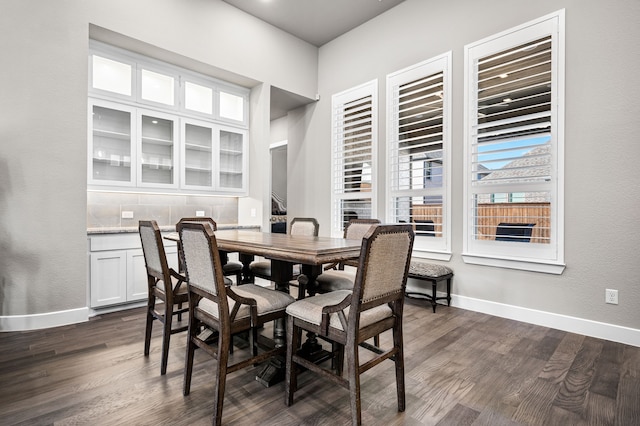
[147, 333]
[399, 361]
[433, 295]
[448, 291]
[166, 336]
[188, 359]
[220, 378]
[353, 373]
[291, 373]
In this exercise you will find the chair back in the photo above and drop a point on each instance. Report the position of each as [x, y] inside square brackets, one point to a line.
[205, 219]
[304, 226]
[357, 228]
[155, 257]
[384, 264]
[520, 232]
[201, 259]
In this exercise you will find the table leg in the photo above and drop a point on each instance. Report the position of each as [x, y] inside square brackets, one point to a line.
[311, 349]
[273, 372]
[246, 259]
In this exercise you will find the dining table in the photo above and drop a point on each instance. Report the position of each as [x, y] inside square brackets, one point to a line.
[284, 251]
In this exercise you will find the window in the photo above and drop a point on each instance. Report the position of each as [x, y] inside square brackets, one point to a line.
[418, 144]
[353, 166]
[514, 147]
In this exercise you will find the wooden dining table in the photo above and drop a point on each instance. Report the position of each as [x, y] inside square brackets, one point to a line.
[284, 251]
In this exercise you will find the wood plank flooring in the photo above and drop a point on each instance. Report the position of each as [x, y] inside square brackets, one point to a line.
[462, 368]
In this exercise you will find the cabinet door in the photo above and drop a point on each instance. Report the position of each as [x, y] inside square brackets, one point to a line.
[136, 276]
[157, 150]
[197, 155]
[232, 160]
[111, 144]
[108, 278]
[137, 272]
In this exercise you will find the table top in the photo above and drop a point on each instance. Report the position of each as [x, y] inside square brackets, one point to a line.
[291, 248]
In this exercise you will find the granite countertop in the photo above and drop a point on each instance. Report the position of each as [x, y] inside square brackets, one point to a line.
[166, 228]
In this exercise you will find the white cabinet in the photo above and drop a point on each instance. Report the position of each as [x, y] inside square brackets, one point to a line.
[214, 157]
[117, 269]
[111, 144]
[157, 150]
[152, 150]
[108, 278]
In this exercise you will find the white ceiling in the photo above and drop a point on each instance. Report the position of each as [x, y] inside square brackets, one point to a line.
[315, 21]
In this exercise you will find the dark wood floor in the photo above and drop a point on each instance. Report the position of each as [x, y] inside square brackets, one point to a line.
[462, 368]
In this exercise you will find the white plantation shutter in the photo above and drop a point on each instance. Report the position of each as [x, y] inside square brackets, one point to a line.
[514, 142]
[418, 150]
[354, 135]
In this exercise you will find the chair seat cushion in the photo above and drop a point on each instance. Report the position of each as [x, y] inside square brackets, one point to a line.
[421, 269]
[232, 267]
[335, 280]
[310, 310]
[267, 301]
[262, 269]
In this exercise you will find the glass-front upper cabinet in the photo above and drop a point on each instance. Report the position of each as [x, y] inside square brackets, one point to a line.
[157, 150]
[197, 155]
[232, 160]
[111, 144]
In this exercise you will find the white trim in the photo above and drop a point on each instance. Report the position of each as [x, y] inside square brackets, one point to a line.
[430, 254]
[279, 144]
[44, 320]
[600, 330]
[521, 264]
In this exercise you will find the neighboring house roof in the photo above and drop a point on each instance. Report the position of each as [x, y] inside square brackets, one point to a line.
[534, 164]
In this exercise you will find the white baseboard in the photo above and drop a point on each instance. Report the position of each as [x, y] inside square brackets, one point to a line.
[45, 320]
[600, 330]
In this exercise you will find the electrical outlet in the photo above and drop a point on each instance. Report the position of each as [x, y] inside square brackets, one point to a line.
[127, 214]
[199, 213]
[611, 296]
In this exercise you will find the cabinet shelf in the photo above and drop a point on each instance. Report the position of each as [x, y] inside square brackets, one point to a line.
[111, 134]
[197, 147]
[157, 141]
[230, 151]
[157, 166]
[198, 169]
[230, 172]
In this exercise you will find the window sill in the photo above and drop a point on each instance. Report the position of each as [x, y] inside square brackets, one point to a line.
[524, 265]
[432, 255]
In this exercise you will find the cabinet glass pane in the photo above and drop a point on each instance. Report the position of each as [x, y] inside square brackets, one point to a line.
[112, 76]
[198, 98]
[231, 106]
[231, 146]
[198, 155]
[157, 87]
[157, 150]
[111, 144]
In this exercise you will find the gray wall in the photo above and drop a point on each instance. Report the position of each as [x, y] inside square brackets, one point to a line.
[602, 187]
[43, 125]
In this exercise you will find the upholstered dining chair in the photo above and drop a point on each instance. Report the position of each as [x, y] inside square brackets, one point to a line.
[335, 277]
[299, 226]
[225, 310]
[228, 268]
[349, 318]
[164, 284]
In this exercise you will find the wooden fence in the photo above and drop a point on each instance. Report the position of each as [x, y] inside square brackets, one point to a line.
[491, 214]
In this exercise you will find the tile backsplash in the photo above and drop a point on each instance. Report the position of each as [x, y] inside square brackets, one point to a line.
[104, 209]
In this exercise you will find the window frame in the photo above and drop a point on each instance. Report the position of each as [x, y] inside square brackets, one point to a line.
[338, 100]
[547, 258]
[438, 248]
